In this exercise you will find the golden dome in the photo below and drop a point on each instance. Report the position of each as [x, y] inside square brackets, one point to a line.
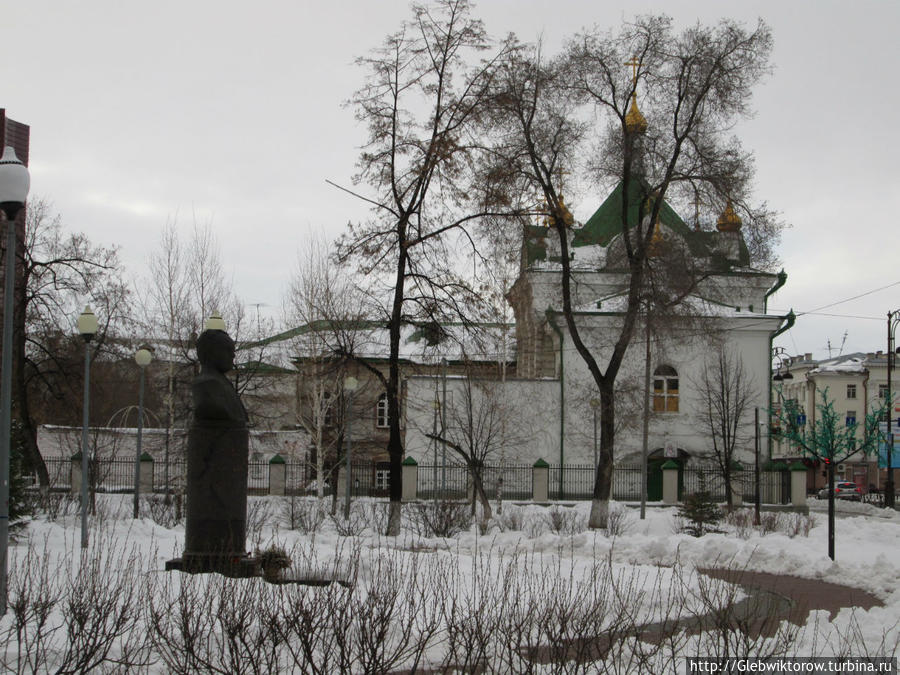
[729, 221]
[634, 120]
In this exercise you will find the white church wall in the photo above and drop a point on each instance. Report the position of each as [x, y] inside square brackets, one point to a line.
[525, 417]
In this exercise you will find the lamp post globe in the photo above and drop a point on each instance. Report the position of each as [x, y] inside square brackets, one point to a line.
[215, 322]
[14, 184]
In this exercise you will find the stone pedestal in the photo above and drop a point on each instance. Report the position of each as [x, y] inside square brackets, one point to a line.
[277, 476]
[215, 528]
[145, 474]
[540, 482]
[670, 482]
[798, 484]
[410, 480]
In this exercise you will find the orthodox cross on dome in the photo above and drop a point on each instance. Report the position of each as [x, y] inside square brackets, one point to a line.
[635, 64]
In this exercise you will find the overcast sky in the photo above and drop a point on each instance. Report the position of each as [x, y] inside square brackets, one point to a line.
[231, 112]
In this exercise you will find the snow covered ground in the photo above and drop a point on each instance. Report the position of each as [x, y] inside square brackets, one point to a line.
[493, 596]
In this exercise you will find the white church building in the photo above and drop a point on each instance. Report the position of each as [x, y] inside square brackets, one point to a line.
[545, 410]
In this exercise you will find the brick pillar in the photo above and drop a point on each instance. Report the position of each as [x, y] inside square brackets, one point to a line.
[670, 482]
[410, 478]
[277, 475]
[145, 474]
[798, 484]
[737, 485]
[540, 482]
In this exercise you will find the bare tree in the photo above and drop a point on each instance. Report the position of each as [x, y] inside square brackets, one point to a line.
[328, 314]
[476, 428]
[185, 286]
[61, 272]
[420, 103]
[726, 391]
[693, 86]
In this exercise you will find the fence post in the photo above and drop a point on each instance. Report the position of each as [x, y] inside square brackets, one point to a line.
[75, 474]
[540, 482]
[410, 479]
[277, 475]
[145, 474]
[670, 482]
[798, 484]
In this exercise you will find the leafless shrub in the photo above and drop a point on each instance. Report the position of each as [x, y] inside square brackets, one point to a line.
[768, 522]
[618, 520]
[210, 624]
[259, 514]
[535, 524]
[440, 518]
[512, 519]
[796, 524]
[303, 514]
[156, 509]
[75, 622]
[35, 589]
[565, 520]
[742, 522]
[56, 505]
[377, 516]
[352, 526]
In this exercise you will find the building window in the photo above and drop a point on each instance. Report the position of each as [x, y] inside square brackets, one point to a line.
[851, 391]
[882, 393]
[382, 476]
[381, 412]
[665, 389]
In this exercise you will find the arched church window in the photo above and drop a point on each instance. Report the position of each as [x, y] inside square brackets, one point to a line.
[382, 421]
[665, 389]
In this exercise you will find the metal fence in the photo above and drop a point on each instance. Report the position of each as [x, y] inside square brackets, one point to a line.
[452, 481]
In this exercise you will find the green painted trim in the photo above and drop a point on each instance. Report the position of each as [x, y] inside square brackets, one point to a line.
[541, 464]
[409, 461]
[798, 466]
[277, 459]
[736, 466]
[669, 465]
[76, 456]
[146, 457]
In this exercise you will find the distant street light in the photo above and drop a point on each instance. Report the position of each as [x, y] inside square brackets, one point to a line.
[892, 319]
[350, 385]
[14, 184]
[142, 357]
[87, 327]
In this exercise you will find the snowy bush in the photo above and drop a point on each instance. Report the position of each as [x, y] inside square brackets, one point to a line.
[442, 518]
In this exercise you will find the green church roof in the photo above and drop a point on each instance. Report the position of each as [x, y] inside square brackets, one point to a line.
[602, 227]
[606, 224]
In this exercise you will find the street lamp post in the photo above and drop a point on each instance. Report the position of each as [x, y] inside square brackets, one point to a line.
[87, 327]
[142, 357]
[350, 385]
[893, 318]
[14, 183]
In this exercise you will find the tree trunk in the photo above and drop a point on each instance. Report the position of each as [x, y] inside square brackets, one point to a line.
[480, 495]
[603, 478]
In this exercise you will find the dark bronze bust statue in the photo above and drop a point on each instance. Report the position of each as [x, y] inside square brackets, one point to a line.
[217, 467]
[215, 400]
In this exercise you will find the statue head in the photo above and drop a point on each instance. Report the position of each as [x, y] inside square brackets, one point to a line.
[215, 349]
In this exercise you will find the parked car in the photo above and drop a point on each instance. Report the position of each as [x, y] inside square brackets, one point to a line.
[842, 490]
